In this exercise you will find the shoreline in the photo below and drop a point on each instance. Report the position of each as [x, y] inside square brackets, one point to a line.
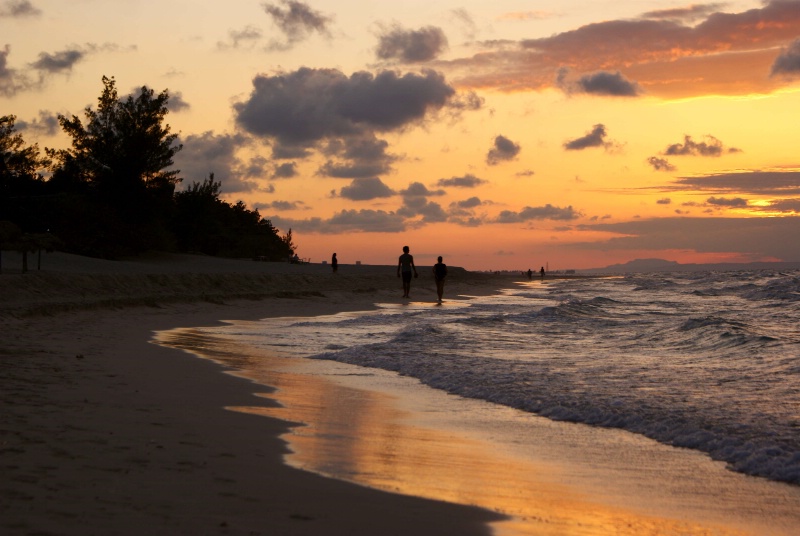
[104, 432]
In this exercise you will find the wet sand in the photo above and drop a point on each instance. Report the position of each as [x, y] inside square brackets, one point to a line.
[104, 432]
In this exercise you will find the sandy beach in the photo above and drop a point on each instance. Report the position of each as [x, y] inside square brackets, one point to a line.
[103, 431]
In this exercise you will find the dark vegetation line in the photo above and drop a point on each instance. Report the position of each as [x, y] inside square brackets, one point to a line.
[112, 193]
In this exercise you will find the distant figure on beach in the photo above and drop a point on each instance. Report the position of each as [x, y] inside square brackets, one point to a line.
[530, 273]
[542, 272]
[439, 273]
[334, 263]
[405, 264]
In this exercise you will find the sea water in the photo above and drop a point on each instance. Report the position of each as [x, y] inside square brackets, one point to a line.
[706, 361]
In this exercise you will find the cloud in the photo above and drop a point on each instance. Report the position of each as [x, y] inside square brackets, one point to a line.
[358, 157]
[467, 181]
[755, 238]
[711, 147]
[791, 206]
[503, 150]
[286, 170]
[723, 54]
[546, 212]
[297, 21]
[58, 61]
[472, 202]
[365, 189]
[346, 221]
[411, 46]
[604, 83]
[18, 9]
[207, 153]
[748, 182]
[177, 103]
[736, 202]
[788, 62]
[247, 36]
[660, 164]
[301, 108]
[664, 201]
[283, 205]
[417, 189]
[687, 14]
[46, 124]
[595, 138]
[11, 80]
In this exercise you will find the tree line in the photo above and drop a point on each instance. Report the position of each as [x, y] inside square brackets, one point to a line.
[112, 193]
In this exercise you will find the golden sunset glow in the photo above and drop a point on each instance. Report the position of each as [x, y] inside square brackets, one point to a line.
[506, 135]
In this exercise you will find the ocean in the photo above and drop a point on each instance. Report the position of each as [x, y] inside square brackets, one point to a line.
[706, 361]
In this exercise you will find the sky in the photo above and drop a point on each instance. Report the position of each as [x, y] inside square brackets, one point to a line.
[501, 135]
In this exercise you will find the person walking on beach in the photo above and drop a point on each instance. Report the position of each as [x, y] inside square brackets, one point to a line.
[530, 273]
[405, 264]
[439, 273]
[542, 272]
[334, 263]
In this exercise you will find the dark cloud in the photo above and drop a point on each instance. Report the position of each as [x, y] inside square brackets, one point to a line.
[503, 150]
[358, 157]
[711, 147]
[791, 206]
[11, 80]
[757, 238]
[788, 62]
[18, 9]
[472, 202]
[287, 170]
[688, 14]
[604, 83]
[736, 202]
[546, 212]
[58, 61]
[46, 124]
[749, 182]
[346, 221]
[595, 138]
[467, 181]
[301, 108]
[417, 189]
[365, 189]
[411, 46]
[660, 164]
[420, 207]
[177, 103]
[664, 201]
[283, 205]
[207, 153]
[297, 21]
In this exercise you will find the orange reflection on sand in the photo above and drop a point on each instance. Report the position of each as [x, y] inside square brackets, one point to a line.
[364, 436]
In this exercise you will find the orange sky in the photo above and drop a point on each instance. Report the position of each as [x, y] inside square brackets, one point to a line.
[507, 135]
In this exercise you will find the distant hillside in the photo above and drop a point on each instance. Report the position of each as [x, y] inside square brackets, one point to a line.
[661, 265]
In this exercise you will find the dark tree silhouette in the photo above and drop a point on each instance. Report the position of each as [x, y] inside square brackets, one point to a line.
[122, 154]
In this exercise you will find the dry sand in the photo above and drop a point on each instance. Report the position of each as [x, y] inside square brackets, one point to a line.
[103, 432]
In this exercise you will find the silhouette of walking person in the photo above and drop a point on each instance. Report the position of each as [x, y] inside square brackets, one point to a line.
[439, 273]
[542, 272]
[334, 263]
[405, 264]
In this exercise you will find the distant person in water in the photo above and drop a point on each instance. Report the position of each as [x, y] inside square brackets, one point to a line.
[530, 273]
[334, 263]
[405, 264]
[542, 272]
[439, 273]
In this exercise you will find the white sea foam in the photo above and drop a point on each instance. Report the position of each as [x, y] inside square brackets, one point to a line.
[703, 361]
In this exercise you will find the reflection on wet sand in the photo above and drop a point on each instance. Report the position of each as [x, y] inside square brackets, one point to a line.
[369, 437]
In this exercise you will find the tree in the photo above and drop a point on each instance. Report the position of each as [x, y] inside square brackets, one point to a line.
[123, 153]
[21, 180]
